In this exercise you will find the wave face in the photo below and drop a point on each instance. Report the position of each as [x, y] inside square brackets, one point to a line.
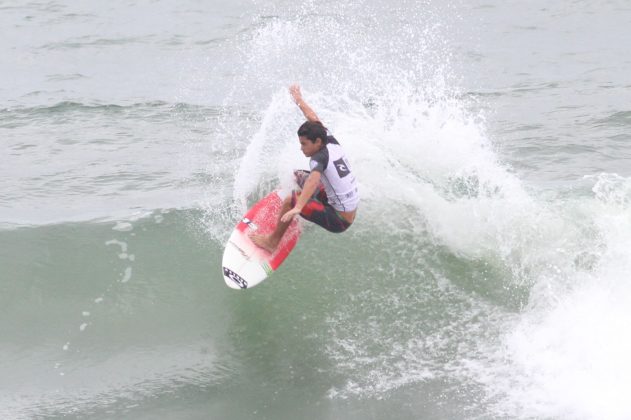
[485, 276]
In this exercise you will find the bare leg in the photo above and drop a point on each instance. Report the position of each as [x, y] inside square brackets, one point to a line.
[270, 242]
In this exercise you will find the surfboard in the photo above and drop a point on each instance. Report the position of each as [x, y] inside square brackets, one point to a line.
[244, 264]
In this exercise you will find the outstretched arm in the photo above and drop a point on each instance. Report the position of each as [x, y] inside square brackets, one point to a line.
[309, 113]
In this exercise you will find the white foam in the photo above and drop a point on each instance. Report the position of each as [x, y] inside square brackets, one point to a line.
[123, 227]
[127, 275]
[123, 245]
[566, 356]
[574, 361]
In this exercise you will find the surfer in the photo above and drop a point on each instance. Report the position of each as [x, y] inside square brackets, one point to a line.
[329, 195]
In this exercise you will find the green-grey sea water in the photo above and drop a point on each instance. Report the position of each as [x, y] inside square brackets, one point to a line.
[486, 276]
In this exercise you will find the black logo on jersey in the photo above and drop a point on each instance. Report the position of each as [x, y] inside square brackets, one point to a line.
[342, 167]
[235, 278]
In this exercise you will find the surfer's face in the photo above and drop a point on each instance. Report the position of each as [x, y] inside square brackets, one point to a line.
[308, 147]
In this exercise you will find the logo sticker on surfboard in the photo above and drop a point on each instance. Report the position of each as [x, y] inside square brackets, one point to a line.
[250, 223]
[235, 278]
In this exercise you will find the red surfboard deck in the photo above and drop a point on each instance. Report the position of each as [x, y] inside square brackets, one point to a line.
[244, 264]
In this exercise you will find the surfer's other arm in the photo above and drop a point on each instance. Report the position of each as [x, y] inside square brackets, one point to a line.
[308, 112]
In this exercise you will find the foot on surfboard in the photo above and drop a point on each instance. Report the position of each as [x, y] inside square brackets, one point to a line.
[265, 242]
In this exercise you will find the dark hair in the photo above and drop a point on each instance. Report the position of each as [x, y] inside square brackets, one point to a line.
[313, 130]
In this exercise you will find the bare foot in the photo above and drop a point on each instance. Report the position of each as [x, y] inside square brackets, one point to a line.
[264, 241]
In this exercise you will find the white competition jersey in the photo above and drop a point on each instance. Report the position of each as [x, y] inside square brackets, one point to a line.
[337, 177]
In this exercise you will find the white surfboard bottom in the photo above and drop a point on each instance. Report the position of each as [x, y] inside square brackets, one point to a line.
[244, 264]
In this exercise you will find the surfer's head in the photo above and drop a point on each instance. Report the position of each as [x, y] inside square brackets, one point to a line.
[313, 130]
[312, 136]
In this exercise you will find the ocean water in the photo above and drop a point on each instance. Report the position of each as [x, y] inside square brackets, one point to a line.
[486, 276]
